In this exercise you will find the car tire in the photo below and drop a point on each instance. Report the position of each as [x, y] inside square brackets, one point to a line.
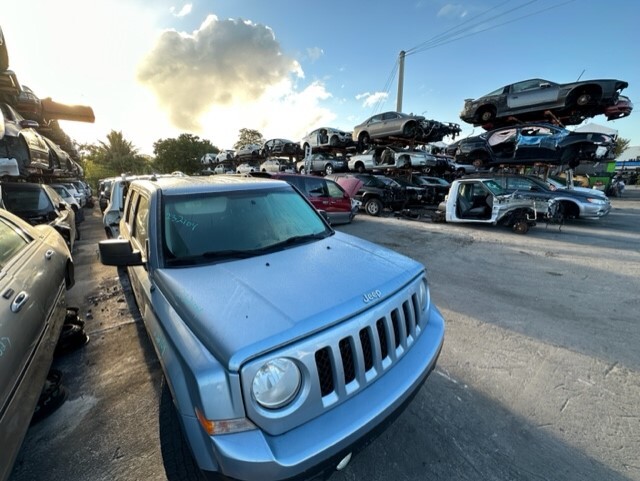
[373, 207]
[360, 167]
[301, 169]
[334, 141]
[486, 115]
[364, 140]
[583, 99]
[328, 169]
[176, 456]
[480, 160]
[521, 227]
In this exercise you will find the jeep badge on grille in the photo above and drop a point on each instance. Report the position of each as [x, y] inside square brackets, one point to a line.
[370, 296]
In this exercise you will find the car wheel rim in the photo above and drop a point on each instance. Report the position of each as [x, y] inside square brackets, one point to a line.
[486, 116]
[583, 99]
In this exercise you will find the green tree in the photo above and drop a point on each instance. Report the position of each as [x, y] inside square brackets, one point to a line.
[248, 136]
[183, 153]
[621, 146]
[111, 158]
[119, 154]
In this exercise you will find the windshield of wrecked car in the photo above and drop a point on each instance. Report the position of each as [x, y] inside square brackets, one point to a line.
[231, 225]
[26, 201]
[494, 187]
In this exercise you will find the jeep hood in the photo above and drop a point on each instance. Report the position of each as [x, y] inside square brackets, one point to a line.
[240, 309]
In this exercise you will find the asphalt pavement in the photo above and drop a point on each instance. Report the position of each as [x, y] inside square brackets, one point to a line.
[539, 377]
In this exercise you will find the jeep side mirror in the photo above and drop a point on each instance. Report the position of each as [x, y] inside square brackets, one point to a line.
[119, 252]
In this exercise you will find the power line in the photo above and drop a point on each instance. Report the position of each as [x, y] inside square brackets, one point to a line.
[427, 45]
[456, 27]
[392, 75]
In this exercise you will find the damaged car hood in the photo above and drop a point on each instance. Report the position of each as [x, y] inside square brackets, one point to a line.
[243, 308]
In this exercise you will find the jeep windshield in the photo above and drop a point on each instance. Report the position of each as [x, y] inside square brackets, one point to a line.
[221, 226]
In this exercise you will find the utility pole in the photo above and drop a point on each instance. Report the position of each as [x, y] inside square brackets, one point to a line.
[400, 80]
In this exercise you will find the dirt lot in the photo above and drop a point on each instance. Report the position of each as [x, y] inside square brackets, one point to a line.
[539, 378]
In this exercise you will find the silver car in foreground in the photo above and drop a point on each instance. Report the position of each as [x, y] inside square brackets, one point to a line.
[35, 271]
[284, 344]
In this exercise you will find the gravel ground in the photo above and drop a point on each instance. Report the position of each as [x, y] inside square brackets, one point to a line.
[539, 377]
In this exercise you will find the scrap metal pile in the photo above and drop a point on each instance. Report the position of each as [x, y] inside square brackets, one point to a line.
[32, 143]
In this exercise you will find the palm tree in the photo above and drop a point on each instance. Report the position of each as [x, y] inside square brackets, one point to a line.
[117, 152]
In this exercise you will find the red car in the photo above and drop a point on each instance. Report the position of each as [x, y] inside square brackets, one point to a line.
[326, 195]
[622, 108]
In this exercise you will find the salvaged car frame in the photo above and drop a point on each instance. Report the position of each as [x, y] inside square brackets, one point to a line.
[532, 143]
[535, 99]
[482, 201]
[387, 127]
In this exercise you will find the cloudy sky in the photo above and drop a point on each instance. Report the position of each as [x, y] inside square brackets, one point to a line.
[157, 69]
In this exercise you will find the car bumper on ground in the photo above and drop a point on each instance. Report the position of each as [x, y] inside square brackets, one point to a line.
[310, 449]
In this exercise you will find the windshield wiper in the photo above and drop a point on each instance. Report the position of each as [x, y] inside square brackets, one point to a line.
[246, 253]
[231, 254]
[207, 256]
[299, 239]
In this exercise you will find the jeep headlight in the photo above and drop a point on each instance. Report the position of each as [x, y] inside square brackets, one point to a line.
[276, 383]
[423, 295]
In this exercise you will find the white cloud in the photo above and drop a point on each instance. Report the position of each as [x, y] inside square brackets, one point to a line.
[280, 112]
[314, 53]
[453, 10]
[224, 76]
[224, 62]
[371, 99]
[184, 11]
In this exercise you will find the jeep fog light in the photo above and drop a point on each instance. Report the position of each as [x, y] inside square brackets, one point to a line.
[276, 383]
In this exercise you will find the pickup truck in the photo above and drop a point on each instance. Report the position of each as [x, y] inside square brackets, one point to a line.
[483, 201]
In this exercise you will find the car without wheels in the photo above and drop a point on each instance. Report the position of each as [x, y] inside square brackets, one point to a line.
[270, 371]
[573, 204]
[483, 201]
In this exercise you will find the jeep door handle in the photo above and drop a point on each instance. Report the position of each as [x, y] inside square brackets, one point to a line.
[19, 301]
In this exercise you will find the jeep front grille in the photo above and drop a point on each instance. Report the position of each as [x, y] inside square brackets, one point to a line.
[376, 346]
[341, 361]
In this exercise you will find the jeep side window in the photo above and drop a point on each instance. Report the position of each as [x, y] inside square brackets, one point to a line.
[140, 227]
[128, 207]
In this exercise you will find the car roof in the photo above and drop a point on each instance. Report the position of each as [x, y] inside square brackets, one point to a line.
[199, 185]
[20, 185]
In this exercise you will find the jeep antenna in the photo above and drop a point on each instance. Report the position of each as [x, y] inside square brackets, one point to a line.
[580, 75]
